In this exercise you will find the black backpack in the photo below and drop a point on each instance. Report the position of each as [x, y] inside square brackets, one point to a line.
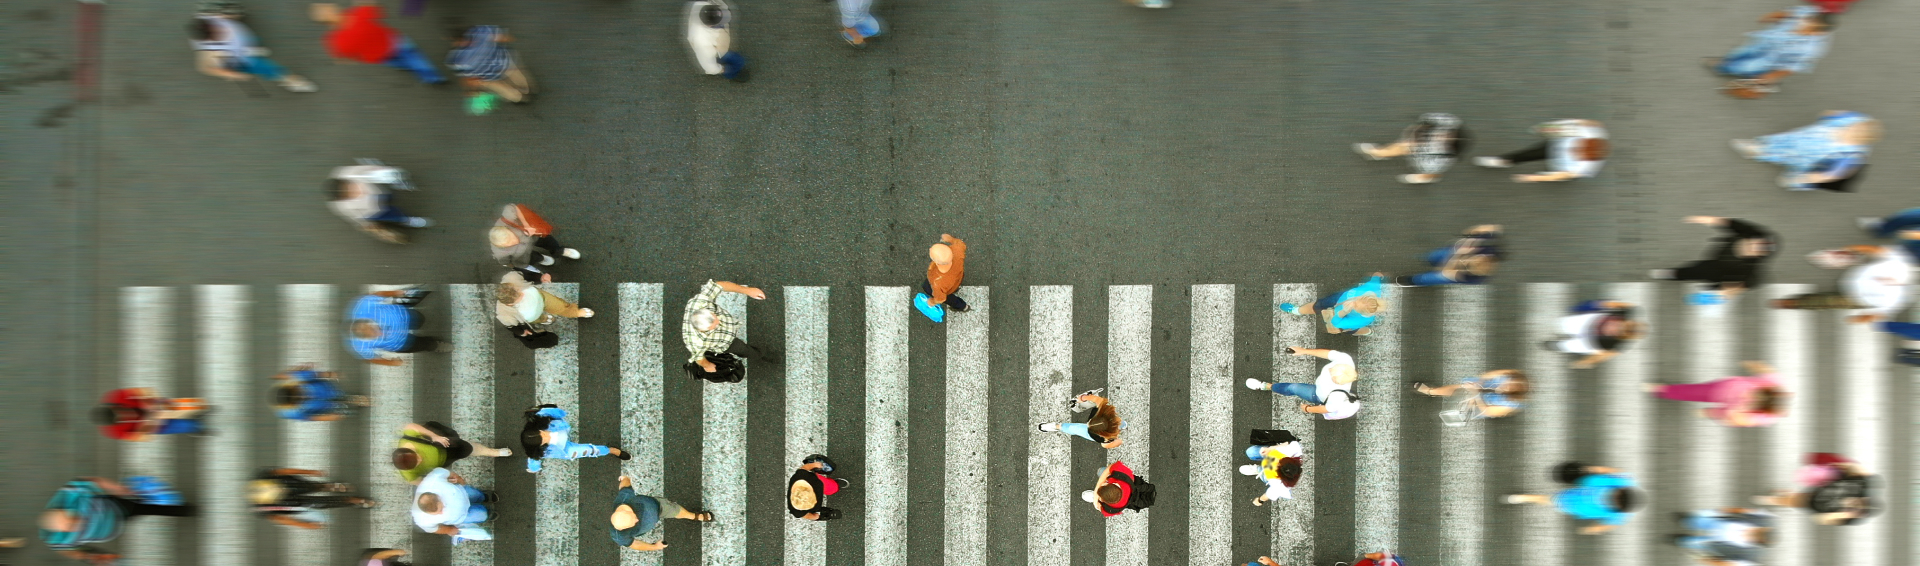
[728, 369]
[535, 341]
[1142, 494]
[1270, 437]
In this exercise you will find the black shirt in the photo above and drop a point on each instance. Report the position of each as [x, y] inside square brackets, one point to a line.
[819, 492]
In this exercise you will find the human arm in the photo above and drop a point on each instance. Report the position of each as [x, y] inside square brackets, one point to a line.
[385, 361]
[448, 530]
[1594, 359]
[959, 246]
[429, 434]
[1596, 529]
[730, 287]
[213, 63]
[1315, 409]
[295, 472]
[1544, 177]
[292, 522]
[1321, 353]
[109, 486]
[101, 558]
[1757, 367]
[388, 554]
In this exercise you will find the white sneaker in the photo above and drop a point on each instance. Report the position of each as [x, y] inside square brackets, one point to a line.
[1256, 384]
[1515, 499]
[1249, 470]
[1493, 162]
[1368, 150]
[419, 222]
[546, 260]
[298, 84]
[570, 253]
[586, 313]
[1417, 179]
[1049, 427]
[1087, 496]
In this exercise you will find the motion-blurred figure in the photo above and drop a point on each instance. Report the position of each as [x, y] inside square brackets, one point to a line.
[383, 557]
[1740, 401]
[1598, 330]
[361, 195]
[358, 35]
[137, 414]
[225, 48]
[1797, 39]
[433, 445]
[1829, 154]
[1734, 263]
[523, 241]
[383, 322]
[91, 510]
[857, 22]
[295, 497]
[1430, 146]
[1574, 149]
[487, 67]
[1347, 311]
[1725, 537]
[1602, 495]
[710, 34]
[1469, 261]
[1878, 283]
[1838, 490]
[302, 394]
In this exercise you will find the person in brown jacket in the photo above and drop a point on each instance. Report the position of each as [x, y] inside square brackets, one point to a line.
[944, 273]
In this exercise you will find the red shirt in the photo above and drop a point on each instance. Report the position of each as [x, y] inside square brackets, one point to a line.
[1119, 475]
[125, 398]
[361, 36]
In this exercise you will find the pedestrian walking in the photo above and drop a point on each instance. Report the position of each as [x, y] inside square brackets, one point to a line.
[1103, 424]
[1351, 310]
[1494, 394]
[1838, 490]
[295, 497]
[1599, 494]
[809, 487]
[443, 504]
[138, 414]
[383, 557]
[362, 195]
[90, 511]
[423, 447]
[1118, 489]
[635, 515]
[487, 67]
[1794, 40]
[1598, 330]
[525, 308]
[547, 435]
[710, 35]
[1876, 284]
[709, 330]
[1331, 395]
[523, 241]
[857, 23]
[1376, 559]
[1740, 401]
[382, 323]
[1468, 261]
[1733, 264]
[1574, 149]
[1827, 155]
[1430, 146]
[1903, 227]
[359, 35]
[1279, 466]
[223, 47]
[1732, 536]
[939, 292]
[302, 394]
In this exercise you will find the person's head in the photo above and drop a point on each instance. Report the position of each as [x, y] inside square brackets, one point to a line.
[704, 320]
[265, 491]
[59, 521]
[287, 395]
[1592, 149]
[506, 294]
[1290, 470]
[404, 458]
[1625, 499]
[1760, 536]
[1370, 305]
[108, 415]
[502, 237]
[1343, 373]
[1753, 247]
[428, 503]
[533, 442]
[1632, 330]
[941, 254]
[624, 517]
[339, 189]
[1770, 400]
[713, 16]
[1515, 387]
[1864, 132]
[1483, 264]
[200, 29]
[366, 329]
[1105, 422]
[1108, 494]
[1817, 24]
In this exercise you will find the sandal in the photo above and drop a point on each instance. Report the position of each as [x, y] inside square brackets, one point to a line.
[366, 503]
[1422, 388]
[703, 516]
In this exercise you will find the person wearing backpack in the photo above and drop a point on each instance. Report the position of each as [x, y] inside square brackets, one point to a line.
[1725, 537]
[1118, 489]
[1599, 494]
[1839, 491]
[1378, 559]
[1331, 395]
[1279, 467]
[433, 445]
[547, 435]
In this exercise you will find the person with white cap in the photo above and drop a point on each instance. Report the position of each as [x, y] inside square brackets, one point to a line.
[709, 330]
[710, 34]
[1430, 146]
[944, 272]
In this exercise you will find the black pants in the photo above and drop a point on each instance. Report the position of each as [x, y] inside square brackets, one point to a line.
[543, 247]
[1535, 153]
[418, 343]
[458, 449]
[134, 508]
[743, 349]
[954, 301]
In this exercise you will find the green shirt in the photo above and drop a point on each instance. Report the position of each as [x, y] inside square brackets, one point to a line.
[431, 455]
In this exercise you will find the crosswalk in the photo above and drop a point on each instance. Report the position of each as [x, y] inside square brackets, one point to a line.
[1460, 327]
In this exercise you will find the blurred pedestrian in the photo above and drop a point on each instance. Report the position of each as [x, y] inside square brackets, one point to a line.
[1732, 536]
[1903, 227]
[1833, 6]
[294, 497]
[1263, 561]
[382, 323]
[1574, 149]
[1733, 264]
[443, 504]
[1118, 489]
[487, 66]
[138, 414]
[635, 515]
[90, 511]
[223, 47]
[547, 435]
[523, 241]
[1597, 329]
[1279, 467]
[361, 194]
[809, 487]
[1599, 494]
[524, 305]
[433, 445]
[1103, 425]
[358, 35]
[1796, 39]
[1377, 559]
[857, 23]
[383, 557]
[1495, 394]
[940, 290]
[1829, 154]
[1351, 310]
[1331, 395]
[1838, 490]
[709, 330]
[710, 34]
[1468, 261]
[302, 394]
[1876, 285]
[1430, 146]
[1740, 401]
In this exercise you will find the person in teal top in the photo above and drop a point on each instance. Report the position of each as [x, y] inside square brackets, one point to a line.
[1351, 310]
[635, 515]
[1599, 494]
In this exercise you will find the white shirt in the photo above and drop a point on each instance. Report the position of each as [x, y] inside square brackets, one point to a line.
[1338, 406]
[1881, 285]
[365, 180]
[1582, 329]
[454, 503]
[708, 43]
[1568, 136]
[1276, 489]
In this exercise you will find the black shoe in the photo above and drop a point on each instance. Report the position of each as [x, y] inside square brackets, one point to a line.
[624, 455]
[829, 514]
[489, 496]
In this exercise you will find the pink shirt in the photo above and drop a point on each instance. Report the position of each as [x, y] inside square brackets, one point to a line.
[1732, 394]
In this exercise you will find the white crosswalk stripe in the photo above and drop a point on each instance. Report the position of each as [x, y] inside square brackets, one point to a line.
[1463, 353]
[391, 387]
[1130, 389]
[222, 316]
[1210, 439]
[642, 327]
[1789, 439]
[1293, 521]
[474, 332]
[1547, 421]
[556, 381]
[1377, 484]
[723, 458]
[1627, 446]
[1050, 383]
[886, 483]
[966, 440]
[806, 414]
[313, 330]
[147, 361]
[1712, 335]
[1863, 376]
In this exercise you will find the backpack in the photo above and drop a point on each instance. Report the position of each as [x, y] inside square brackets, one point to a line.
[535, 341]
[1269, 437]
[728, 366]
[1142, 494]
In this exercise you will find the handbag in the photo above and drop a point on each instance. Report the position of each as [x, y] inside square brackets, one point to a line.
[530, 223]
[727, 369]
[535, 341]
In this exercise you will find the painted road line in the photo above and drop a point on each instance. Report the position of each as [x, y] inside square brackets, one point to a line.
[806, 413]
[556, 380]
[1864, 372]
[224, 336]
[473, 404]
[314, 329]
[642, 325]
[1293, 529]
[1788, 439]
[723, 460]
[1712, 351]
[1546, 422]
[1130, 389]
[1050, 495]
[1463, 462]
[966, 438]
[1212, 460]
[146, 360]
[1377, 487]
[392, 390]
[1629, 444]
[887, 425]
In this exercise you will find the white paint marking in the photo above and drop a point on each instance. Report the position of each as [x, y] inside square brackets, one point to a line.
[724, 460]
[642, 325]
[474, 332]
[1130, 389]
[1863, 391]
[1050, 383]
[1788, 439]
[1463, 462]
[556, 380]
[1629, 446]
[806, 414]
[1210, 443]
[314, 330]
[146, 360]
[1293, 532]
[1546, 420]
[1377, 487]
[392, 390]
[887, 425]
[224, 336]
[966, 438]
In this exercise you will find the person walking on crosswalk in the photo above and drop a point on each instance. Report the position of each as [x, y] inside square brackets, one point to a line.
[1599, 494]
[1597, 329]
[1497, 393]
[1731, 536]
[443, 504]
[302, 394]
[1838, 490]
[1740, 401]
[1350, 310]
[137, 414]
[635, 515]
[1279, 466]
[92, 510]
[523, 241]
[294, 497]
[522, 304]
[809, 487]
[1118, 489]
[1103, 426]
[382, 323]
[1468, 261]
[1734, 263]
[944, 272]
[433, 445]
[547, 435]
[1331, 395]
[708, 329]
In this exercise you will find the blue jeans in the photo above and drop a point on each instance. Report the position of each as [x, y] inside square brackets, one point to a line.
[261, 67]
[1253, 452]
[476, 513]
[390, 214]
[179, 426]
[1080, 430]
[1305, 391]
[854, 14]
[1908, 330]
[406, 57]
[1435, 258]
[732, 63]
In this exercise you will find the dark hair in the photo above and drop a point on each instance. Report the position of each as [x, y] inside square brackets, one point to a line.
[1109, 494]
[337, 189]
[1771, 400]
[1290, 470]
[1625, 499]
[1764, 537]
[458, 33]
[530, 440]
[1520, 385]
[107, 415]
[287, 395]
[199, 29]
[1593, 149]
[405, 458]
[1825, 19]
[1105, 422]
[710, 15]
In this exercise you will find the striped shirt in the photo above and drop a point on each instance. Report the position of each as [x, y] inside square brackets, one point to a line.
[726, 327]
[483, 57]
[395, 322]
[99, 517]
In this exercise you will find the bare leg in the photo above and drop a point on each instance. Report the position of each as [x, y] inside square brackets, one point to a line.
[1442, 391]
[490, 452]
[1526, 498]
[1395, 149]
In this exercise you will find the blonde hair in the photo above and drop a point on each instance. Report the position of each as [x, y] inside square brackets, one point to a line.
[264, 492]
[1633, 330]
[1379, 304]
[1865, 132]
[506, 293]
[801, 496]
[502, 237]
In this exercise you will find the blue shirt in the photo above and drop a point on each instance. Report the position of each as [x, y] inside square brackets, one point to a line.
[1353, 320]
[484, 57]
[395, 322]
[320, 396]
[560, 446]
[100, 518]
[644, 507]
[1592, 498]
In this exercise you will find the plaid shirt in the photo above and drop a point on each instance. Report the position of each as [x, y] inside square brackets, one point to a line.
[725, 329]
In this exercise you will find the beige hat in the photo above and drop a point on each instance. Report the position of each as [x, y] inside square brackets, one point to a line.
[502, 237]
